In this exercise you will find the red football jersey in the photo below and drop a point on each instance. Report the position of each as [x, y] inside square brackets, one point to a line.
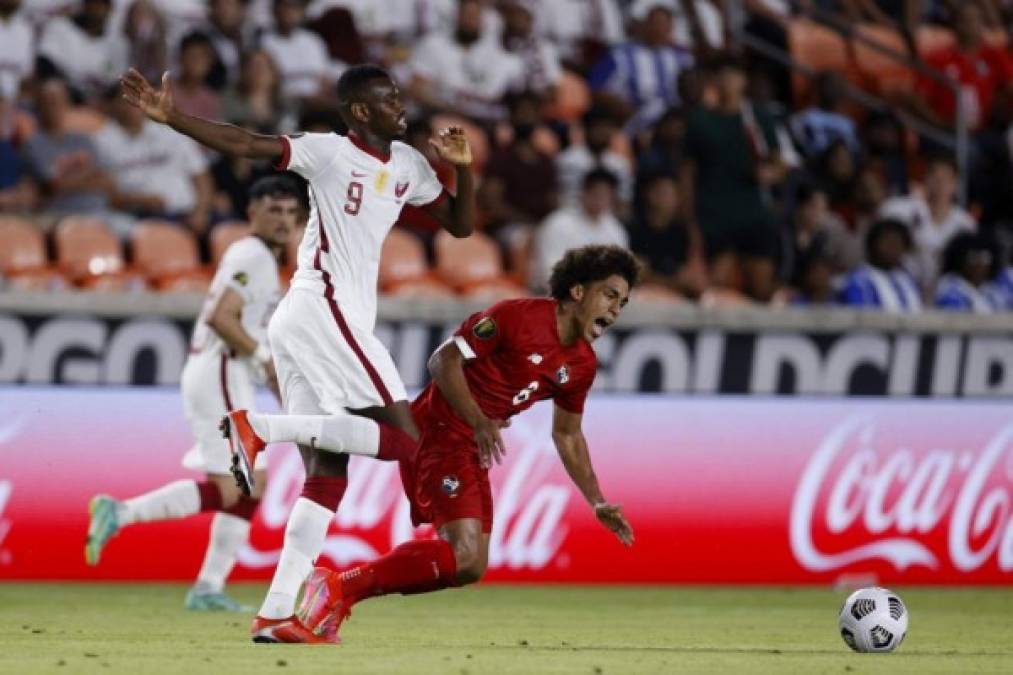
[513, 358]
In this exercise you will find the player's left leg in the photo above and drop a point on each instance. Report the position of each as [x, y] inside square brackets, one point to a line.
[230, 529]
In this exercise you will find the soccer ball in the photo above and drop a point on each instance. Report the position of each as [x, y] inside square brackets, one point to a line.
[873, 620]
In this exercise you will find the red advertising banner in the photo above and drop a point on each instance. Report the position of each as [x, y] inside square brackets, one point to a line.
[724, 490]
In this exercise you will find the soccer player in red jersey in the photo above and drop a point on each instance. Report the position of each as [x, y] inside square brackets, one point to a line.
[498, 363]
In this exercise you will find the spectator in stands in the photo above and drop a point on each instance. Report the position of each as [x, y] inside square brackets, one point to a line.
[230, 31]
[904, 16]
[147, 34]
[592, 222]
[255, 100]
[417, 220]
[17, 49]
[156, 172]
[885, 145]
[17, 191]
[882, 282]
[836, 170]
[83, 49]
[814, 232]
[979, 68]
[731, 159]
[933, 218]
[464, 71]
[813, 283]
[698, 25]
[300, 55]
[861, 210]
[640, 79]
[970, 264]
[542, 68]
[584, 30]
[520, 186]
[660, 238]
[64, 164]
[232, 176]
[767, 20]
[190, 90]
[816, 128]
[572, 164]
[663, 155]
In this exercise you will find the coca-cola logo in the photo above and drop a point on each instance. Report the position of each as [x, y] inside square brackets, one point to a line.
[896, 500]
[528, 530]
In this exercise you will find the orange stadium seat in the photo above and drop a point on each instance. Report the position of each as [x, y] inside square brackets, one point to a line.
[23, 261]
[404, 271]
[166, 253]
[224, 235]
[471, 264]
[90, 255]
[880, 72]
[931, 39]
[818, 47]
[476, 136]
[573, 98]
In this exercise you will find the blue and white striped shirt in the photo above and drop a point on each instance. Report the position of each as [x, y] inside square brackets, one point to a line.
[953, 292]
[891, 291]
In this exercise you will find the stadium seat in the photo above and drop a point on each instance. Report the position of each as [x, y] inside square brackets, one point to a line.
[476, 136]
[880, 72]
[931, 39]
[494, 290]
[426, 287]
[89, 253]
[224, 235]
[818, 47]
[23, 262]
[165, 253]
[404, 271]
[573, 98]
[472, 263]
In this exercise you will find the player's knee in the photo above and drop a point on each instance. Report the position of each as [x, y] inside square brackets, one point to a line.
[471, 573]
[471, 563]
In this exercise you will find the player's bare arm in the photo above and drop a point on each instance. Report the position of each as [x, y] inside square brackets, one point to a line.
[456, 213]
[227, 139]
[446, 366]
[571, 445]
[226, 320]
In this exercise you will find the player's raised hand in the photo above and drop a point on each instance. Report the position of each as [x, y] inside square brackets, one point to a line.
[491, 447]
[452, 145]
[156, 104]
[611, 516]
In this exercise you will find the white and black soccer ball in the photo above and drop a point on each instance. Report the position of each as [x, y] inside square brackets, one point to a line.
[873, 620]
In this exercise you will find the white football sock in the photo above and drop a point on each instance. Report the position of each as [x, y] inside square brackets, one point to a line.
[228, 533]
[175, 500]
[304, 538]
[333, 433]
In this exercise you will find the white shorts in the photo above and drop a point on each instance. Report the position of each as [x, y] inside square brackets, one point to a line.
[326, 365]
[213, 384]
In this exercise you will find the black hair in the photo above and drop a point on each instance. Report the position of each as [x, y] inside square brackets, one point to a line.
[943, 158]
[353, 83]
[196, 38]
[881, 228]
[596, 114]
[600, 175]
[805, 192]
[967, 242]
[724, 60]
[277, 186]
[588, 264]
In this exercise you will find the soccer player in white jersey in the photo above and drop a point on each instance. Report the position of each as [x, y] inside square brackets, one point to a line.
[338, 384]
[229, 353]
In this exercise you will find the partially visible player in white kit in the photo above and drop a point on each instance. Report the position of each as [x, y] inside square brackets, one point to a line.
[338, 384]
[229, 355]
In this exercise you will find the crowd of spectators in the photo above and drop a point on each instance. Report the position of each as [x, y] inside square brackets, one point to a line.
[731, 178]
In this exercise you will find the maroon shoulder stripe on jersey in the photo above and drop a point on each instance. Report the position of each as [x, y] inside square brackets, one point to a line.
[339, 318]
[286, 154]
[223, 377]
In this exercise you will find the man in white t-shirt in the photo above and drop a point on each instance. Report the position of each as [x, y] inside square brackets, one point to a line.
[933, 218]
[592, 221]
[571, 24]
[229, 354]
[301, 55]
[84, 48]
[465, 71]
[17, 49]
[338, 383]
[156, 172]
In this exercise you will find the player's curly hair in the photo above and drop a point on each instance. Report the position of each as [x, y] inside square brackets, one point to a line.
[588, 264]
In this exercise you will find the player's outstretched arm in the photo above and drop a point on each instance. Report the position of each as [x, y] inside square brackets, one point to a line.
[446, 366]
[227, 139]
[457, 213]
[572, 448]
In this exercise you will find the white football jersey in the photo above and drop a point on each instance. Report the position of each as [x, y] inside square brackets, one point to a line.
[251, 270]
[356, 196]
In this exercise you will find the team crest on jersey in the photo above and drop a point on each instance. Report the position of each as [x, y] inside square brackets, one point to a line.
[563, 374]
[485, 329]
[400, 189]
[535, 359]
[241, 278]
[451, 485]
[381, 181]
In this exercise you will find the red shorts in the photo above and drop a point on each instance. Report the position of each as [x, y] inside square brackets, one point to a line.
[446, 483]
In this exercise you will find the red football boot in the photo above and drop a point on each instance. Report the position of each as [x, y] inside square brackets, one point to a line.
[245, 445]
[289, 631]
[323, 608]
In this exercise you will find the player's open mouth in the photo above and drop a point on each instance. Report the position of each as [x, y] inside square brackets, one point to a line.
[600, 325]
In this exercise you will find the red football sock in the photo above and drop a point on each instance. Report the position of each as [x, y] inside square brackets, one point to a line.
[210, 496]
[394, 445]
[244, 508]
[413, 567]
[325, 490]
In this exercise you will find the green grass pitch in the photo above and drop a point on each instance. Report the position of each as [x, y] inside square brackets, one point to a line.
[142, 628]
